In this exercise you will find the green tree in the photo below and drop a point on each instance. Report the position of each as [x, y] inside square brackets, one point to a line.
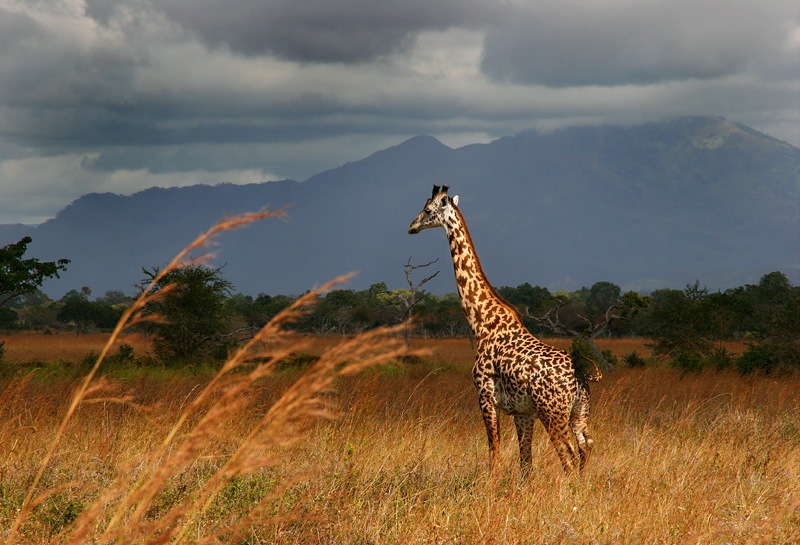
[772, 322]
[20, 276]
[76, 309]
[677, 321]
[8, 318]
[444, 316]
[191, 319]
[256, 313]
[114, 298]
[531, 301]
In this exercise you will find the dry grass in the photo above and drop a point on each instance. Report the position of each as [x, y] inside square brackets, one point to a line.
[254, 454]
[130, 499]
[710, 458]
[40, 347]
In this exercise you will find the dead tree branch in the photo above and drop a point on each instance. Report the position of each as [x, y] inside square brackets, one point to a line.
[410, 301]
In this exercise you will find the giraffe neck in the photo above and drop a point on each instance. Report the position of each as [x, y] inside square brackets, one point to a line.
[484, 308]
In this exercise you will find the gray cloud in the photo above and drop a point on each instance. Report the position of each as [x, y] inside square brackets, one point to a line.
[116, 95]
[620, 42]
[324, 30]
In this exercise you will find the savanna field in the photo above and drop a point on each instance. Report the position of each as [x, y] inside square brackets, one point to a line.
[377, 449]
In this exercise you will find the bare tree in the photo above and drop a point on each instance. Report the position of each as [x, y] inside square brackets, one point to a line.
[620, 309]
[410, 300]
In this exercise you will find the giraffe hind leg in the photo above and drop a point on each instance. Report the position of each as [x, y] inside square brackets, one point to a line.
[560, 436]
[579, 424]
[585, 442]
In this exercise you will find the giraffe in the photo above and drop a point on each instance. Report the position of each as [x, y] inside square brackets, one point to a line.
[514, 371]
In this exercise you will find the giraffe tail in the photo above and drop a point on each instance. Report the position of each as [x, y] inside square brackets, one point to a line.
[591, 377]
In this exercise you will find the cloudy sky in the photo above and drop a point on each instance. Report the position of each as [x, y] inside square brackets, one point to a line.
[121, 95]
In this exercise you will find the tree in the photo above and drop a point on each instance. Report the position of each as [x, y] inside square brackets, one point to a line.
[8, 318]
[190, 320]
[530, 301]
[444, 315]
[77, 309]
[413, 296]
[114, 298]
[591, 313]
[20, 276]
[677, 322]
[773, 322]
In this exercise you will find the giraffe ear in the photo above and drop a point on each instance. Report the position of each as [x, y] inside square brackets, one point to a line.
[455, 200]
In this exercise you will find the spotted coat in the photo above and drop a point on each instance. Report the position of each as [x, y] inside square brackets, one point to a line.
[514, 371]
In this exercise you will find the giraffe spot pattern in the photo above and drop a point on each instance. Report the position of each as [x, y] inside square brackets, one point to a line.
[514, 372]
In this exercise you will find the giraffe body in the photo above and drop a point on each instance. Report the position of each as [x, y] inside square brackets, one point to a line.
[514, 371]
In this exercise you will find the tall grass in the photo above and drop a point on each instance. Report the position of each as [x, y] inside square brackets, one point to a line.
[712, 458]
[251, 455]
[133, 489]
[34, 347]
[703, 459]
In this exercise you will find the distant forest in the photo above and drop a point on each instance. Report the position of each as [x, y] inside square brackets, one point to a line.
[688, 327]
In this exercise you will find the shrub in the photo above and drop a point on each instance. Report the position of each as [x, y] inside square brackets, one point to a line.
[297, 360]
[635, 360]
[124, 355]
[757, 357]
[719, 358]
[688, 362]
[193, 323]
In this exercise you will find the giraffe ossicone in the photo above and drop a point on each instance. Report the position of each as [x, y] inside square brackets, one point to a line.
[514, 371]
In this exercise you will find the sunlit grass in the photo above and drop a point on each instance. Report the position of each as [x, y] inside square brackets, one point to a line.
[360, 446]
[708, 458]
[135, 490]
[27, 346]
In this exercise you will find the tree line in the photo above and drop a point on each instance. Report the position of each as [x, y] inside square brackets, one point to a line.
[205, 318]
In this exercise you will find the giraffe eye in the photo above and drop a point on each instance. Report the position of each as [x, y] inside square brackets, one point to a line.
[428, 210]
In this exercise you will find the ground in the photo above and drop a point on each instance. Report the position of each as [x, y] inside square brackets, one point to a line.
[400, 455]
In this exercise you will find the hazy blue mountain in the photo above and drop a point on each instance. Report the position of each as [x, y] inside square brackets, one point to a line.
[647, 206]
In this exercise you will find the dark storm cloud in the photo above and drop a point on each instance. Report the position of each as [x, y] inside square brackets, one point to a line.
[13, 28]
[120, 95]
[324, 30]
[644, 42]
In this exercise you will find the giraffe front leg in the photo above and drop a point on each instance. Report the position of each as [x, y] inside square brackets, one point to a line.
[524, 424]
[488, 405]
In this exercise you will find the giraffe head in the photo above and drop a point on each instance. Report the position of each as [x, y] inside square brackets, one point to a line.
[435, 212]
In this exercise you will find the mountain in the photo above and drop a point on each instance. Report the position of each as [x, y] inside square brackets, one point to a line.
[646, 207]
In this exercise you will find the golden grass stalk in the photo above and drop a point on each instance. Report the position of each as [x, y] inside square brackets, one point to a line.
[231, 398]
[221, 400]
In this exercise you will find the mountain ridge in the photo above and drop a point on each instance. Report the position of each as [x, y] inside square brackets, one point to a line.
[644, 206]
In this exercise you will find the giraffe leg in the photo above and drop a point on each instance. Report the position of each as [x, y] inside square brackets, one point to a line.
[579, 423]
[488, 405]
[560, 433]
[524, 424]
[585, 442]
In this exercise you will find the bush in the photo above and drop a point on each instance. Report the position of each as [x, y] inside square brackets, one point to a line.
[297, 360]
[757, 357]
[719, 358]
[584, 358]
[688, 362]
[124, 354]
[193, 323]
[8, 318]
[635, 360]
